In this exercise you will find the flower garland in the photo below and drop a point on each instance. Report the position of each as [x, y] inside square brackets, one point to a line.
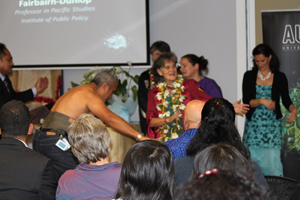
[175, 92]
[152, 82]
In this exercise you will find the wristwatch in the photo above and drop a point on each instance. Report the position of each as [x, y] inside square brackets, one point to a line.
[138, 137]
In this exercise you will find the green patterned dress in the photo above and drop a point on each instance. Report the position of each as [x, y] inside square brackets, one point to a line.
[262, 135]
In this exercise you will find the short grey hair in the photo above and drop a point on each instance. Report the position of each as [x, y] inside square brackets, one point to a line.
[105, 76]
[89, 139]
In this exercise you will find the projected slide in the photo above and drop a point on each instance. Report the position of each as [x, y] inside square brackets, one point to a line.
[74, 32]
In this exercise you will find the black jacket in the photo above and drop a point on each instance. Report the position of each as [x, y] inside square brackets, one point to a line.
[279, 89]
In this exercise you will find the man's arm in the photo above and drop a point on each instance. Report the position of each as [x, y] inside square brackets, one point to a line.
[99, 109]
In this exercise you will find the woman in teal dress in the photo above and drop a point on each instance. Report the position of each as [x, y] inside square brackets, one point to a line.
[263, 87]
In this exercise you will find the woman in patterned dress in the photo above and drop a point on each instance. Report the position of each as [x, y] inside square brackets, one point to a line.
[263, 86]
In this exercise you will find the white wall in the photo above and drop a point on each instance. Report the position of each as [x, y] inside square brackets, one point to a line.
[212, 28]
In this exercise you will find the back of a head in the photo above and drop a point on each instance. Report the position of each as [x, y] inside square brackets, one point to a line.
[105, 76]
[89, 139]
[2, 48]
[147, 172]
[220, 155]
[217, 125]
[14, 119]
[193, 111]
[219, 184]
[160, 46]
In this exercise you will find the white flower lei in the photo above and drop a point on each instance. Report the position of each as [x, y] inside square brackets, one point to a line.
[177, 101]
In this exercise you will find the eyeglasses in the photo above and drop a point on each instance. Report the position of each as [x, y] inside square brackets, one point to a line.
[169, 67]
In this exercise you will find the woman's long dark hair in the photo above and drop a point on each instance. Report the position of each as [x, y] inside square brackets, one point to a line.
[266, 51]
[217, 125]
[147, 172]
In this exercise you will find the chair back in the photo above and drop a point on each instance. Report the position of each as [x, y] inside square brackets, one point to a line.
[281, 187]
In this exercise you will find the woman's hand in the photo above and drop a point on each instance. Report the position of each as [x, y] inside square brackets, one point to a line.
[155, 122]
[174, 116]
[268, 103]
[293, 116]
[240, 109]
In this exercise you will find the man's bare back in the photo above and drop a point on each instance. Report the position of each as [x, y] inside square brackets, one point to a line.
[75, 102]
[91, 99]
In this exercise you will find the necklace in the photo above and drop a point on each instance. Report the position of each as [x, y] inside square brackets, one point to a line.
[261, 76]
[174, 94]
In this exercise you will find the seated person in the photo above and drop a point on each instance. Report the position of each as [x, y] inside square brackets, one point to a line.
[192, 120]
[217, 125]
[220, 155]
[147, 172]
[94, 177]
[25, 174]
[222, 184]
[232, 175]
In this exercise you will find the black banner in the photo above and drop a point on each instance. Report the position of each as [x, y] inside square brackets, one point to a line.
[281, 31]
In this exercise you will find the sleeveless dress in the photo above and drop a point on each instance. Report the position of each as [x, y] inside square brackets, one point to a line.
[262, 135]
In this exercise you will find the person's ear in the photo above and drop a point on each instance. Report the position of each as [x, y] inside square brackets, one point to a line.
[196, 66]
[159, 72]
[30, 129]
[105, 86]
[185, 121]
[198, 124]
[270, 57]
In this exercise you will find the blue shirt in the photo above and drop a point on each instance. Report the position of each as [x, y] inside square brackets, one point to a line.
[178, 146]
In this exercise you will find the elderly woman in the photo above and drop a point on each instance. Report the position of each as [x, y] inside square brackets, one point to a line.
[94, 177]
[167, 101]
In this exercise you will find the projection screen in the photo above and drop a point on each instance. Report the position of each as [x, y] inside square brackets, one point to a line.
[68, 33]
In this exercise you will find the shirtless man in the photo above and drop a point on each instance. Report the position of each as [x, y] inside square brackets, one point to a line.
[89, 98]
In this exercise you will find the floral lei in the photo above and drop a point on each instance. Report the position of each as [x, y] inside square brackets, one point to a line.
[177, 103]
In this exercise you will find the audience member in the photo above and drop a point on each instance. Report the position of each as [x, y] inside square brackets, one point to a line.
[167, 101]
[89, 98]
[263, 87]
[147, 172]
[145, 83]
[223, 184]
[94, 177]
[25, 174]
[219, 155]
[217, 125]
[192, 120]
[7, 93]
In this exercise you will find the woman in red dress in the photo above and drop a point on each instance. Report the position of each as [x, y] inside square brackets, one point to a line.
[167, 100]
